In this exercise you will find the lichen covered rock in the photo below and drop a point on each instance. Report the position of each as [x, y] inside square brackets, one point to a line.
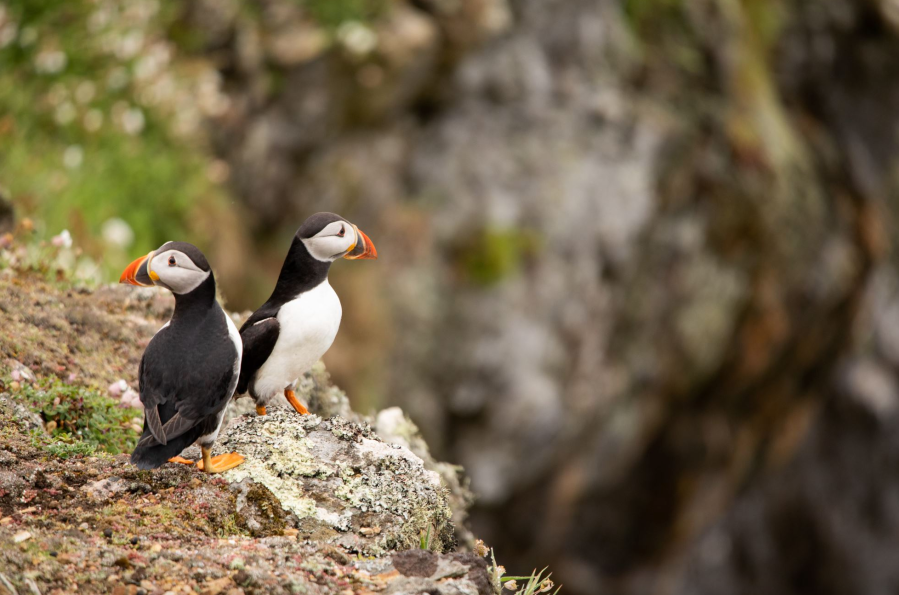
[344, 484]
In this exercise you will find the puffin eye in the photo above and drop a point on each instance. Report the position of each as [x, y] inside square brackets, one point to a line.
[171, 261]
[342, 232]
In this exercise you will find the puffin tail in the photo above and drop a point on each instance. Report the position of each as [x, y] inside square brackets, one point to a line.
[150, 454]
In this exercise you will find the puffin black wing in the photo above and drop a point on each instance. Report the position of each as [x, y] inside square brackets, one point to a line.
[183, 396]
[259, 338]
[153, 399]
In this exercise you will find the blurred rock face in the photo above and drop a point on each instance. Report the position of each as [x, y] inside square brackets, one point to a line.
[625, 256]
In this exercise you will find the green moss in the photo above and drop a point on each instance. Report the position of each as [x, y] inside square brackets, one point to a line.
[639, 11]
[159, 515]
[495, 254]
[81, 420]
[333, 13]
[270, 513]
[227, 526]
[663, 34]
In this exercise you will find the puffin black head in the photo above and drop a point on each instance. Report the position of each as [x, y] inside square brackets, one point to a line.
[178, 266]
[328, 237]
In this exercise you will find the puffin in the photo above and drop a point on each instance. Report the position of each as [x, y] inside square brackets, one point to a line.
[296, 326]
[189, 371]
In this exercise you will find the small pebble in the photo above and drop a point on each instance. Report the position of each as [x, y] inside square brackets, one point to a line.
[107, 533]
[53, 553]
[134, 540]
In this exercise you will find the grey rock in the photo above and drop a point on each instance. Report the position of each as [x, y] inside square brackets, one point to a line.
[345, 485]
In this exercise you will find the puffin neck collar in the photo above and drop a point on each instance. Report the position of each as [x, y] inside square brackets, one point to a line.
[202, 297]
[301, 271]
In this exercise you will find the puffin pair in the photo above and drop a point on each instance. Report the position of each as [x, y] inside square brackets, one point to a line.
[198, 361]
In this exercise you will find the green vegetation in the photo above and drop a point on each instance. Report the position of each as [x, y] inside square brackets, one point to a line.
[62, 445]
[95, 116]
[425, 540]
[333, 13]
[536, 583]
[495, 254]
[80, 421]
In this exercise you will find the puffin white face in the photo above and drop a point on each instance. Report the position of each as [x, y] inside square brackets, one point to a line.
[169, 266]
[336, 239]
[175, 271]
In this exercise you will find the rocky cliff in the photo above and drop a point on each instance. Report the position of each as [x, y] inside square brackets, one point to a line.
[636, 257]
[323, 503]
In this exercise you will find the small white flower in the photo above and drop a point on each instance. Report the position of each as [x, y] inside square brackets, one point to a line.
[85, 92]
[133, 121]
[93, 119]
[73, 157]
[63, 240]
[357, 37]
[50, 62]
[117, 232]
[117, 78]
[8, 34]
[117, 388]
[130, 45]
[65, 113]
[130, 398]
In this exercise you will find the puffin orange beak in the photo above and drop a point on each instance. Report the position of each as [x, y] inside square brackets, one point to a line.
[364, 248]
[136, 273]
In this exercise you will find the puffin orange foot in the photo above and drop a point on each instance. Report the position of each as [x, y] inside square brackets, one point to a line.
[260, 410]
[182, 460]
[218, 464]
[292, 399]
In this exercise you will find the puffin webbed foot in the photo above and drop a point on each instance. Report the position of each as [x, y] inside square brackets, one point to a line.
[182, 460]
[218, 464]
[260, 410]
[292, 399]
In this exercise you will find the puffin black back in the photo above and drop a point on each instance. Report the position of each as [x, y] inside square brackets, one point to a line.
[190, 368]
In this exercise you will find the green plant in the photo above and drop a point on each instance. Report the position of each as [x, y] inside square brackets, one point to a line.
[536, 583]
[425, 541]
[333, 13]
[76, 415]
[495, 254]
[62, 445]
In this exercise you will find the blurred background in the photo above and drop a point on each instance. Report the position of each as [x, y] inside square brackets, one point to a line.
[636, 268]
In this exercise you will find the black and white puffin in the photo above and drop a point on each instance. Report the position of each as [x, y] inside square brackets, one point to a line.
[190, 369]
[298, 323]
